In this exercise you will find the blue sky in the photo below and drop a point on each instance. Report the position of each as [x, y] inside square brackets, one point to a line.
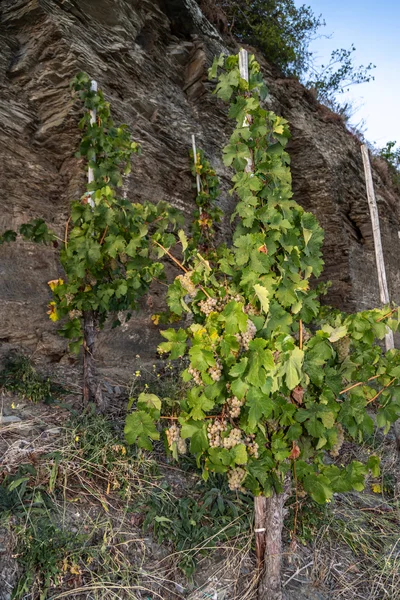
[374, 28]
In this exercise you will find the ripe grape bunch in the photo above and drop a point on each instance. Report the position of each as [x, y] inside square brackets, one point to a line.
[216, 372]
[235, 479]
[339, 442]
[208, 306]
[234, 438]
[342, 348]
[245, 338]
[173, 436]
[234, 406]
[196, 375]
[252, 446]
[188, 284]
[214, 431]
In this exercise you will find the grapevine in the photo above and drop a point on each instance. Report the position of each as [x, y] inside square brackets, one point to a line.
[272, 388]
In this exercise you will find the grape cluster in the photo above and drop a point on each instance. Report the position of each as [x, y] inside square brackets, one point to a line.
[235, 478]
[188, 284]
[214, 431]
[173, 436]
[123, 257]
[69, 298]
[196, 375]
[181, 446]
[249, 309]
[208, 306]
[234, 438]
[75, 314]
[216, 372]
[342, 348]
[234, 406]
[245, 338]
[339, 442]
[252, 446]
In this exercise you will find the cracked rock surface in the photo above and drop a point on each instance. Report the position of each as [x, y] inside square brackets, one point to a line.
[151, 59]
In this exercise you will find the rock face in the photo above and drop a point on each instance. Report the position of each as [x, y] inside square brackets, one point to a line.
[150, 58]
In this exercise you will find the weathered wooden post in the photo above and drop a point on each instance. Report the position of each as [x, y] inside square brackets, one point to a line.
[198, 182]
[380, 263]
[91, 390]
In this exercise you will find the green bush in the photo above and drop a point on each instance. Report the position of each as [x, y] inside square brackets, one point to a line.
[280, 29]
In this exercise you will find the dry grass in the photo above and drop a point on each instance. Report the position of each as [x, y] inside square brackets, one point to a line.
[94, 483]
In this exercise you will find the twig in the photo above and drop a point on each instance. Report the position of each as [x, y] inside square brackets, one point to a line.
[387, 314]
[104, 235]
[206, 417]
[357, 384]
[382, 390]
[176, 261]
[66, 233]
[301, 334]
[297, 572]
[180, 265]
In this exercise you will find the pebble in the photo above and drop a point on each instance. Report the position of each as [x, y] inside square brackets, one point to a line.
[11, 419]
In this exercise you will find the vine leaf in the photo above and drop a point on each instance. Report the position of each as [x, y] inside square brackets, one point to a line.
[293, 368]
[140, 429]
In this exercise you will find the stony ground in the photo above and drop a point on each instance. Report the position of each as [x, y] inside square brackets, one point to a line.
[348, 553]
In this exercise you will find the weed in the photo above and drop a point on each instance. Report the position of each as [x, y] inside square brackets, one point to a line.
[20, 376]
[211, 512]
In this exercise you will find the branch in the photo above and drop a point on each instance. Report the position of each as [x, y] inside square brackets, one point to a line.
[359, 383]
[382, 390]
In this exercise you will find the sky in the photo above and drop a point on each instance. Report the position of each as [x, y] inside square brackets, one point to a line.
[374, 29]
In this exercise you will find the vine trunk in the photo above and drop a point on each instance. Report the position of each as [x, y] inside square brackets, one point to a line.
[268, 520]
[91, 386]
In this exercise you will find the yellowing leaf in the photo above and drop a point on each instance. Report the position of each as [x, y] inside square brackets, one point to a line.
[75, 570]
[54, 283]
[307, 235]
[262, 294]
[183, 239]
[52, 312]
[156, 319]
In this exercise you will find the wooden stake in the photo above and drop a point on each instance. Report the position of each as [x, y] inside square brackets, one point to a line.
[198, 182]
[244, 74]
[93, 87]
[380, 263]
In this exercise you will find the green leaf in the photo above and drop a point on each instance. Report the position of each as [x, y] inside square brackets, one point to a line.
[200, 358]
[239, 454]
[259, 404]
[198, 442]
[319, 488]
[150, 403]
[234, 317]
[140, 428]
[199, 403]
[293, 368]
[261, 361]
[373, 464]
[176, 344]
[239, 388]
[239, 368]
